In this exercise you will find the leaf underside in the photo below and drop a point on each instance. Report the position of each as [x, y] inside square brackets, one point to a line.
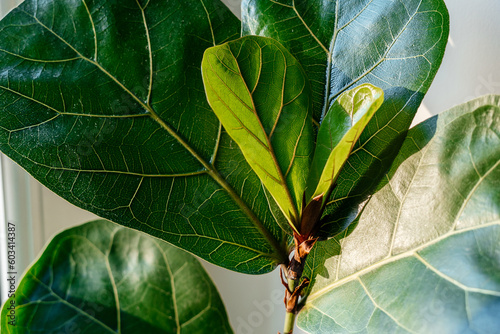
[424, 256]
[103, 102]
[103, 278]
[395, 45]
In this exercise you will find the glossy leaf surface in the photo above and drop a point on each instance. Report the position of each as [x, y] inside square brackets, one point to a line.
[261, 95]
[395, 45]
[103, 278]
[424, 256]
[339, 132]
[103, 102]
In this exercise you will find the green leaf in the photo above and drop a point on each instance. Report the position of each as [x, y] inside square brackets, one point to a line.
[424, 256]
[103, 102]
[395, 45]
[338, 133]
[261, 95]
[103, 278]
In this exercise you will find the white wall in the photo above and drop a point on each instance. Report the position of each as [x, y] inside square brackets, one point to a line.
[471, 67]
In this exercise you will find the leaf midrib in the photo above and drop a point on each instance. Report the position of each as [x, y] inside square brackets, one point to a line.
[279, 253]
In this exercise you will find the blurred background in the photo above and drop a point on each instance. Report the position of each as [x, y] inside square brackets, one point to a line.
[471, 68]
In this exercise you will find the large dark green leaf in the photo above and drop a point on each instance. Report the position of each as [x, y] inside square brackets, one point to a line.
[261, 95]
[424, 256]
[103, 278]
[103, 102]
[395, 45]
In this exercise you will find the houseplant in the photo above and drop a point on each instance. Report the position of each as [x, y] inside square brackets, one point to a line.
[81, 161]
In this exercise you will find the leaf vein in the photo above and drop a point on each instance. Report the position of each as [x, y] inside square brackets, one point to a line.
[381, 308]
[309, 29]
[453, 281]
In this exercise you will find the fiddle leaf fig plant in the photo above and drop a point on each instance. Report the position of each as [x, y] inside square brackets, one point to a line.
[253, 145]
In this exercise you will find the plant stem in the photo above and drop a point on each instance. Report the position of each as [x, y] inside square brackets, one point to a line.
[289, 323]
[295, 282]
[290, 316]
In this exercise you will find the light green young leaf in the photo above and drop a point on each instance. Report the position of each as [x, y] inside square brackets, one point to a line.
[261, 95]
[424, 256]
[338, 133]
[103, 278]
